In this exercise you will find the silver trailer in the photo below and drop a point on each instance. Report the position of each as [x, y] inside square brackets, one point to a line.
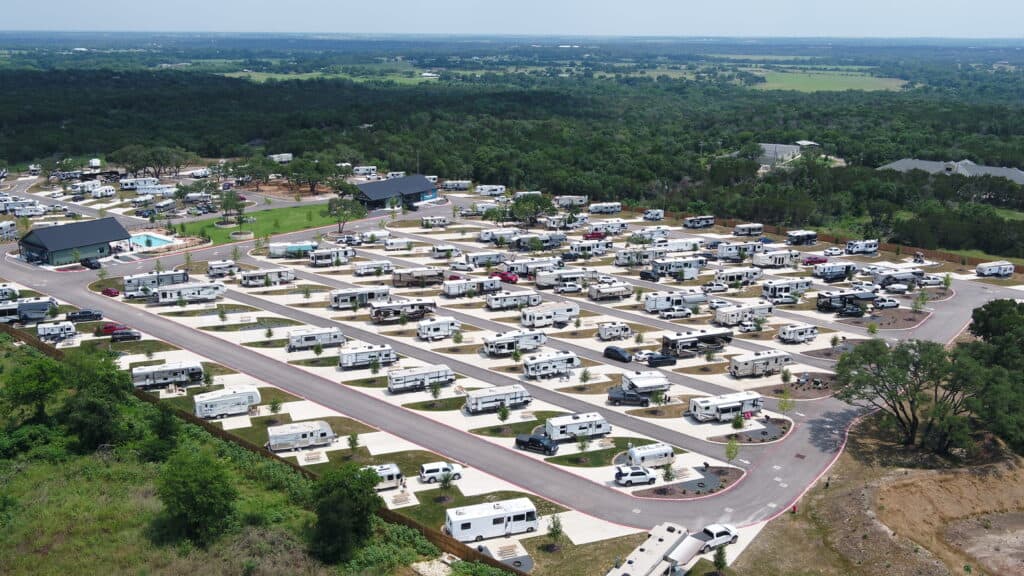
[414, 379]
[505, 343]
[352, 298]
[298, 435]
[550, 364]
[226, 402]
[573, 426]
[309, 338]
[506, 300]
[492, 399]
[759, 363]
[363, 356]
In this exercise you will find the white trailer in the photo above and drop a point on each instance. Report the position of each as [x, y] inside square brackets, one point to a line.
[550, 364]
[491, 520]
[437, 328]
[374, 236]
[191, 293]
[491, 399]
[221, 268]
[651, 455]
[687, 268]
[410, 308]
[531, 266]
[525, 193]
[573, 426]
[421, 378]
[605, 208]
[884, 277]
[655, 302]
[352, 298]
[392, 244]
[364, 171]
[484, 259]
[457, 185]
[647, 382]
[588, 248]
[395, 174]
[422, 276]
[103, 192]
[55, 330]
[613, 331]
[610, 290]
[740, 275]
[752, 229]
[505, 343]
[733, 315]
[801, 237]
[197, 197]
[389, 476]
[309, 338]
[570, 201]
[334, 256]
[735, 250]
[266, 277]
[651, 233]
[551, 314]
[282, 158]
[610, 226]
[777, 259]
[834, 269]
[493, 234]
[553, 278]
[798, 333]
[678, 244]
[759, 363]
[465, 286]
[490, 189]
[183, 373]
[699, 221]
[31, 212]
[164, 206]
[434, 221]
[639, 256]
[506, 300]
[788, 287]
[372, 268]
[291, 249]
[226, 402]
[145, 284]
[136, 183]
[8, 292]
[725, 407]
[997, 268]
[444, 251]
[363, 355]
[862, 246]
[683, 344]
[298, 435]
[654, 214]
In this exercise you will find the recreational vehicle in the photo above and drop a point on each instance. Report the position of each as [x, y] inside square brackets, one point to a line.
[190, 293]
[759, 363]
[363, 355]
[589, 248]
[421, 378]
[573, 426]
[862, 246]
[374, 237]
[777, 259]
[8, 292]
[389, 476]
[553, 278]
[738, 250]
[136, 183]
[684, 268]
[551, 314]
[725, 407]
[655, 302]
[801, 238]
[330, 256]
[614, 331]
[393, 175]
[352, 298]
[470, 286]
[651, 455]
[372, 268]
[550, 364]
[738, 275]
[437, 328]
[176, 373]
[798, 333]
[393, 244]
[26, 310]
[434, 221]
[226, 402]
[611, 226]
[290, 249]
[364, 171]
[411, 309]
[832, 301]
[650, 234]
[55, 330]
[143, 285]
[639, 256]
[605, 208]
[654, 214]
[910, 276]
[309, 338]
[997, 268]
[772, 289]
[525, 193]
[221, 268]
[733, 315]
[266, 277]
[699, 221]
[609, 290]
[748, 230]
[457, 184]
[506, 300]
[688, 344]
[490, 189]
[530, 266]
[444, 251]
[834, 269]
[298, 435]
[505, 343]
[494, 234]
[491, 520]
[491, 399]
[103, 192]
[678, 244]
[570, 201]
[424, 276]
[647, 382]
[484, 259]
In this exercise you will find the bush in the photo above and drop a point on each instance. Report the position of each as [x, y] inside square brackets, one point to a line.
[394, 545]
[345, 504]
[198, 494]
[475, 569]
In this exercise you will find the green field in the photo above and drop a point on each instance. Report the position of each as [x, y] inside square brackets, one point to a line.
[268, 222]
[823, 81]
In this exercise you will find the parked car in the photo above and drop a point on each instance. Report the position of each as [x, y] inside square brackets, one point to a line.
[930, 280]
[897, 288]
[715, 287]
[675, 312]
[629, 475]
[435, 471]
[865, 286]
[83, 315]
[851, 311]
[145, 213]
[350, 239]
[618, 353]
[833, 251]
[650, 276]
[748, 326]
[537, 443]
[594, 236]
[56, 194]
[91, 263]
[125, 335]
[509, 277]
[568, 257]
[658, 360]
[887, 303]
[78, 198]
[111, 292]
[716, 303]
[618, 396]
[642, 355]
[568, 287]
[110, 327]
[783, 300]
[814, 259]
[712, 244]
[462, 266]
[716, 535]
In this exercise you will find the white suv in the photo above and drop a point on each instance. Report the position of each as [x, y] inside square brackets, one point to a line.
[434, 471]
[630, 475]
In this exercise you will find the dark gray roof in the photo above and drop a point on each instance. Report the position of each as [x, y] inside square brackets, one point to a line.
[77, 234]
[404, 186]
[777, 153]
[963, 168]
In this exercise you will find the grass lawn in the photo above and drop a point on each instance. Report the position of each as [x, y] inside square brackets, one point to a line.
[146, 363]
[268, 222]
[217, 369]
[268, 394]
[822, 81]
[132, 347]
[226, 308]
[312, 288]
[278, 343]
[408, 462]
[453, 403]
[116, 283]
[674, 410]
[583, 560]
[319, 362]
[705, 566]
[431, 513]
[373, 382]
[511, 429]
[598, 458]
[261, 323]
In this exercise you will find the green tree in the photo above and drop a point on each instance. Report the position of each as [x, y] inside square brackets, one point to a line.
[732, 450]
[307, 291]
[457, 337]
[872, 329]
[585, 376]
[720, 562]
[374, 366]
[102, 274]
[353, 443]
[786, 402]
[345, 210]
[198, 494]
[318, 350]
[30, 384]
[268, 333]
[834, 342]
[667, 473]
[275, 405]
[503, 413]
[947, 281]
[527, 209]
[919, 301]
[555, 532]
[345, 501]
[582, 443]
[162, 439]
[222, 313]
[787, 376]
[639, 337]
[435, 389]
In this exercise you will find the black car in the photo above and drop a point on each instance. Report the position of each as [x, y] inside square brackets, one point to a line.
[569, 256]
[650, 276]
[656, 360]
[83, 316]
[537, 443]
[618, 396]
[78, 198]
[91, 263]
[617, 353]
[712, 244]
[146, 213]
[851, 311]
[125, 335]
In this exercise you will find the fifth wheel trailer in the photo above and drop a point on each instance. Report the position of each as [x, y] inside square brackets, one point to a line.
[778, 288]
[299, 435]
[351, 298]
[505, 300]
[226, 402]
[740, 275]
[646, 382]
[687, 344]
[421, 378]
[699, 221]
[437, 328]
[655, 302]
[190, 293]
[550, 364]
[777, 259]
[491, 399]
[169, 373]
[266, 277]
[330, 256]
[145, 284]
[505, 343]
[798, 333]
[613, 331]
[759, 363]
[423, 276]
[491, 520]
[572, 426]
[411, 309]
[725, 407]
[551, 314]
[308, 338]
[363, 355]
[610, 290]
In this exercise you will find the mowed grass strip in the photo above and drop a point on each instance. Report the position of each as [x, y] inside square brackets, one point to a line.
[431, 511]
[511, 429]
[268, 222]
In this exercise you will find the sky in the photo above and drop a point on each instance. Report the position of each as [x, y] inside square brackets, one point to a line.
[763, 18]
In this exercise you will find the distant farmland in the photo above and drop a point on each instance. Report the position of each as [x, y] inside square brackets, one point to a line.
[823, 81]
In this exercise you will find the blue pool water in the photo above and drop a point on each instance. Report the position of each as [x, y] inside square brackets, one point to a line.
[149, 241]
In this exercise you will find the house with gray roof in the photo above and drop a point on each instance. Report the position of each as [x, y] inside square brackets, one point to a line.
[963, 168]
[775, 154]
[409, 189]
[69, 243]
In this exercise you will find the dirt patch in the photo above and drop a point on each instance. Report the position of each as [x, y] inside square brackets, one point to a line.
[834, 353]
[825, 386]
[711, 480]
[888, 319]
[774, 429]
[996, 541]
[670, 411]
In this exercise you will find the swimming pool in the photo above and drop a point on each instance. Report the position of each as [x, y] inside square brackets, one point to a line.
[150, 240]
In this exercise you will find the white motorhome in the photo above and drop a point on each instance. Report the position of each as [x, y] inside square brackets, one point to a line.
[725, 407]
[136, 183]
[655, 302]
[605, 208]
[466, 286]
[434, 221]
[735, 250]
[491, 520]
[759, 363]
[484, 259]
[505, 343]
[221, 268]
[699, 221]
[410, 308]
[352, 298]
[298, 435]
[191, 292]
[733, 315]
[788, 287]
[421, 276]
[614, 330]
[639, 256]
[570, 201]
[491, 399]
[651, 455]
[553, 278]
[364, 171]
[457, 184]
[490, 189]
[392, 244]
[551, 314]
[170, 373]
[506, 300]
[610, 226]
[145, 284]
[740, 275]
[437, 328]
[862, 246]
[421, 378]
[573, 426]
[550, 364]
[801, 237]
[266, 277]
[309, 338]
[654, 214]
[588, 248]
[363, 355]
[610, 290]
[834, 269]
[798, 333]
[997, 268]
[389, 476]
[226, 402]
[55, 330]
[651, 233]
[748, 230]
[777, 259]
[334, 256]
[372, 268]
[687, 268]
[646, 382]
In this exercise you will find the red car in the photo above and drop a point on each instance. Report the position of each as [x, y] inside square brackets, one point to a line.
[594, 236]
[509, 277]
[111, 327]
[110, 292]
[815, 259]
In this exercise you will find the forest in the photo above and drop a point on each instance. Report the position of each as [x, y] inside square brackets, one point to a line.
[653, 138]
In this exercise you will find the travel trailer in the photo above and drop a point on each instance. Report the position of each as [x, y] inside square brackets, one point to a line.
[505, 343]
[290, 249]
[527, 267]
[688, 344]
[226, 402]
[470, 286]
[554, 278]
[654, 214]
[411, 309]
[309, 338]
[177, 373]
[298, 435]
[490, 189]
[647, 382]
[609, 291]
[759, 363]
[798, 333]
[738, 250]
[650, 234]
[684, 268]
[748, 230]
[363, 355]
[365, 171]
[423, 276]
[573, 426]
[493, 234]
[678, 244]
[655, 302]
[457, 185]
[372, 268]
[266, 277]
[393, 244]
[605, 208]
[484, 259]
[611, 226]
[190, 293]
[550, 364]
[334, 256]
[651, 455]
[506, 300]
[389, 476]
[699, 221]
[570, 201]
[733, 315]
[862, 246]
[136, 183]
[834, 269]
[221, 268]
[55, 330]
[614, 331]
[777, 259]
[145, 284]
[491, 520]
[740, 275]
[444, 251]
[590, 248]
[437, 328]
[26, 310]
[801, 237]
[421, 378]
[491, 399]
[375, 237]
[789, 287]
[725, 407]
[352, 298]
[639, 256]
[551, 314]
[997, 268]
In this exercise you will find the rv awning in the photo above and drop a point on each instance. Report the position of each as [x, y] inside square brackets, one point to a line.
[730, 406]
